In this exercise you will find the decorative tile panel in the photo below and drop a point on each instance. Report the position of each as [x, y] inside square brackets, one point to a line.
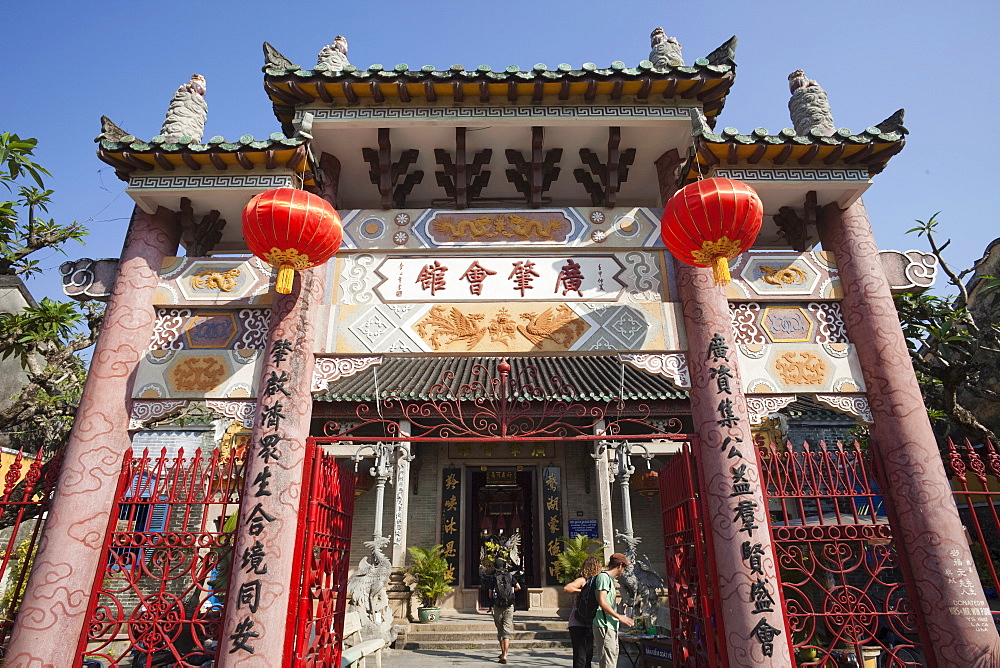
[189, 281]
[197, 374]
[192, 328]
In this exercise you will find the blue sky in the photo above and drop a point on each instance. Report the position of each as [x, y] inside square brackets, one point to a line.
[67, 63]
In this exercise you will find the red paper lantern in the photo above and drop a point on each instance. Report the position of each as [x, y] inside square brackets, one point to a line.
[647, 484]
[291, 229]
[709, 222]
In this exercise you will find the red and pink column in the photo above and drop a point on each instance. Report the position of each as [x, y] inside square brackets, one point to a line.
[749, 597]
[53, 612]
[929, 531]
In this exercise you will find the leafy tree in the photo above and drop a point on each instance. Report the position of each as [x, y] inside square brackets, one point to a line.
[954, 341]
[46, 339]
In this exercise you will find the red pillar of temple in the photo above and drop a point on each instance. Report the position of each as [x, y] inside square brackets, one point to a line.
[929, 531]
[53, 612]
[748, 587]
[254, 631]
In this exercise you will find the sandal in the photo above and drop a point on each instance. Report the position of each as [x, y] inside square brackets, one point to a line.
[501, 660]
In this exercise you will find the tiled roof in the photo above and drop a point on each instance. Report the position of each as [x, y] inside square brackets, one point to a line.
[871, 148]
[804, 411]
[577, 378]
[128, 154]
[708, 80]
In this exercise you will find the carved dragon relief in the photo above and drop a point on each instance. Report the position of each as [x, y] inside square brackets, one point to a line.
[499, 228]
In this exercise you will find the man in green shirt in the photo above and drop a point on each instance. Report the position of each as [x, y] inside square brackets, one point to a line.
[607, 619]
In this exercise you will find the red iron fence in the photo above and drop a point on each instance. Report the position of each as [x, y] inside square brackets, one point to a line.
[322, 558]
[845, 598]
[158, 599]
[690, 571]
[975, 476]
[26, 496]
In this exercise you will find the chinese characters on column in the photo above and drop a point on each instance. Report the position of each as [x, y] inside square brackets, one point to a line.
[450, 516]
[253, 561]
[552, 520]
[744, 510]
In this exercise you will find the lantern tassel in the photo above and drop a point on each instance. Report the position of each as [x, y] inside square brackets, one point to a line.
[721, 270]
[286, 277]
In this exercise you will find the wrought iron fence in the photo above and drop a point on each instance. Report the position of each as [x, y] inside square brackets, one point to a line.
[845, 598]
[975, 476]
[27, 491]
[159, 597]
[690, 566]
[322, 558]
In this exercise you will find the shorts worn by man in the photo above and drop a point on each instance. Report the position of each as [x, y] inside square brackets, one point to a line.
[607, 619]
[503, 612]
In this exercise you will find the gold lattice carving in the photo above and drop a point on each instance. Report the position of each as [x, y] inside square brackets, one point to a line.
[790, 275]
[220, 280]
[198, 374]
[277, 257]
[499, 227]
[799, 367]
[710, 250]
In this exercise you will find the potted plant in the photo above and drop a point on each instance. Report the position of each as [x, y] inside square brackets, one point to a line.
[432, 577]
[575, 551]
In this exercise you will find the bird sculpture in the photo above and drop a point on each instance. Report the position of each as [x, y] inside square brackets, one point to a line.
[334, 56]
[666, 51]
[188, 112]
[366, 592]
[809, 106]
[640, 581]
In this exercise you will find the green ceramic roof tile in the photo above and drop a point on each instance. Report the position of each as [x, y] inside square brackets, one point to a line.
[589, 377]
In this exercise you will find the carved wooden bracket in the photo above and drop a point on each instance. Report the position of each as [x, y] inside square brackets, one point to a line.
[795, 228]
[199, 239]
[327, 179]
[533, 178]
[385, 173]
[668, 168]
[462, 181]
[611, 175]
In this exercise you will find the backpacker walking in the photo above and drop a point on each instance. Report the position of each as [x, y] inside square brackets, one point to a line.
[501, 590]
[607, 619]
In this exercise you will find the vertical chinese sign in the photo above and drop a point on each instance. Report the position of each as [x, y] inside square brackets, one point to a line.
[552, 520]
[749, 601]
[451, 497]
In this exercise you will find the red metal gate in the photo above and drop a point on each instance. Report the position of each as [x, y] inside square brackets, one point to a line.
[690, 566]
[841, 577]
[978, 499]
[159, 595]
[26, 496]
[322, 558]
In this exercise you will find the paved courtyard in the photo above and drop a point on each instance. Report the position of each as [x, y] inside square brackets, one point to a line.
[477, 657]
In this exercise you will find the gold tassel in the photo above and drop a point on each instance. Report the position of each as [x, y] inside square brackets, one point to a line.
[721, 270]
[286, 276]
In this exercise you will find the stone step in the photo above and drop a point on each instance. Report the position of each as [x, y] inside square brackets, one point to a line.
[474, 636]
[484, 644]
[484, 627]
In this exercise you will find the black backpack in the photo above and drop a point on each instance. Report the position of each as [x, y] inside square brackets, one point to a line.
[586, 602]
[503, 589]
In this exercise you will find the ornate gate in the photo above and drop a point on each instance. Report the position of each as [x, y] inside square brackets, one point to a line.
[690, 566]
[25, 498]
[322, 558]
[159, 595]
[841, 576]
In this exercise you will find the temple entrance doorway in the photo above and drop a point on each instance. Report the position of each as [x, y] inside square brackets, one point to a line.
[500, 503]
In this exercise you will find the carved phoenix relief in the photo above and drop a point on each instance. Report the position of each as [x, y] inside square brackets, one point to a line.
[444, 325]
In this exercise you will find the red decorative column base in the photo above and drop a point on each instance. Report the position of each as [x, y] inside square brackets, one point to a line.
[929, 531]
[53, 613]
[748, 588]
